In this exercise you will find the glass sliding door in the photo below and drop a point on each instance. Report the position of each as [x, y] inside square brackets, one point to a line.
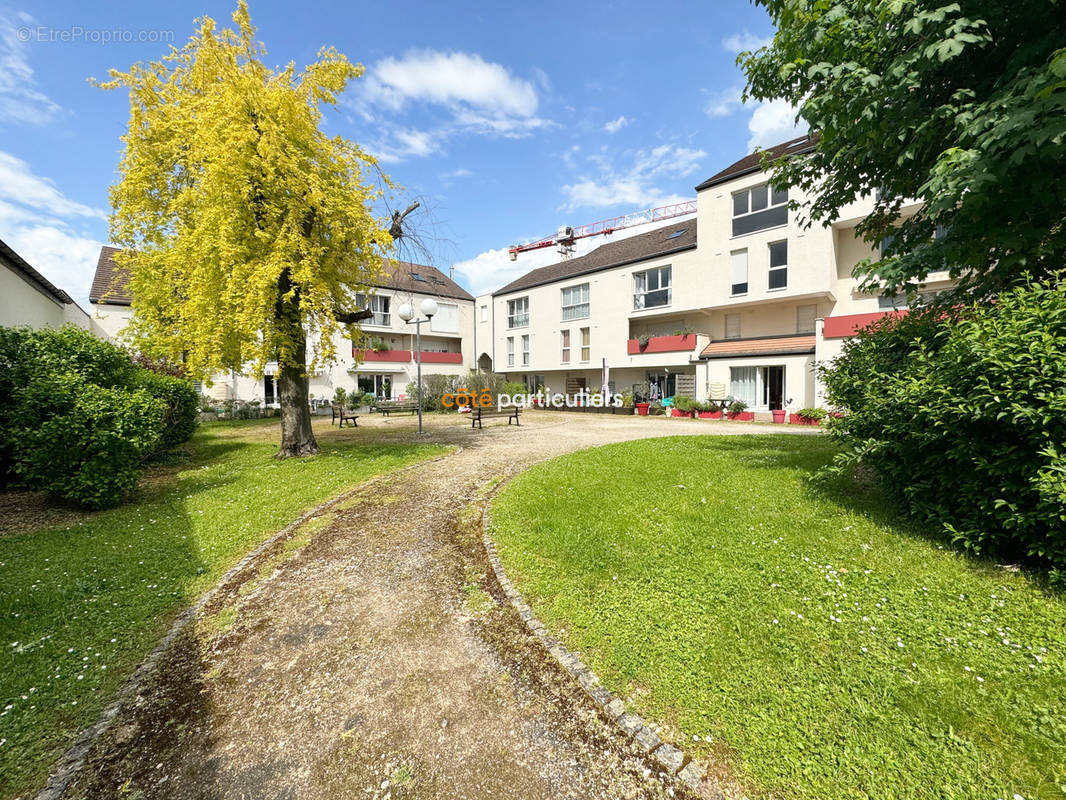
[761, 388]
[742, 386]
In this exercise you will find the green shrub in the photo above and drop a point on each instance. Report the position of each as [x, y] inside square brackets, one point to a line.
[963, 419]
[513, 388]
[340, 395]
[812, 413]
[737, 407]
[180, 400]
[683, 402]
[83, 442]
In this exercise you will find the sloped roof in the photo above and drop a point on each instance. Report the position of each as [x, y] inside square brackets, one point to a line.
[752, 162]
[653, 244]
[110, 284]
[762, 346]
[20, 266]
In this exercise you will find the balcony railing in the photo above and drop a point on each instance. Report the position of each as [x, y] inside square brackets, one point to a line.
[433, 357]
[681, 343]
[405, 356]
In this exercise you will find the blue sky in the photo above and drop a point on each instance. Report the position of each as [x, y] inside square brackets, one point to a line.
[508, 120]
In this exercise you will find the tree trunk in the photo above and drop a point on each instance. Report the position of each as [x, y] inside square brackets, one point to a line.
[297, 438]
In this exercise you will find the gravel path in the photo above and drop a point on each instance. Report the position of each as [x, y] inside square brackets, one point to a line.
[371, 655]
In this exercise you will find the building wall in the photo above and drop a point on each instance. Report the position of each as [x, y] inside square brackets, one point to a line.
[23, 303]
[344, 372]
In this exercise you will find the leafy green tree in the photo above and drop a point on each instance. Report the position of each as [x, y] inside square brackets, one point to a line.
[246, 230]
[960, 105]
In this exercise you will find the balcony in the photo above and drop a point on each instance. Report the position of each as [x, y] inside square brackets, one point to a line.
[432, 357]
[681, 343]
[395, 356]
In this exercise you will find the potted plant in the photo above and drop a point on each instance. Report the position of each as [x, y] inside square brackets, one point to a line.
[683, 406]
[807, 416]
[379, 345]
[738, 410]
[656, 409]
[627, 404]
[642, 408]
[778, 415]
[642, 341]
[708, 410]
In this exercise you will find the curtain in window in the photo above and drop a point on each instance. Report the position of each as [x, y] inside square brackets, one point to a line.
[742, 384]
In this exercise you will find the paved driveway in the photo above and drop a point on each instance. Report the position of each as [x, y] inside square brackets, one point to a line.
[376, 660]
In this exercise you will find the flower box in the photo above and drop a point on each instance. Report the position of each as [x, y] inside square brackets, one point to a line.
[796, 419]
[663, 344]
[677, 412]
[741, 416]
[710, 414]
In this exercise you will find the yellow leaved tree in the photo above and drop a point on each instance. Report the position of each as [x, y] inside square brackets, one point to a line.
[245, 229]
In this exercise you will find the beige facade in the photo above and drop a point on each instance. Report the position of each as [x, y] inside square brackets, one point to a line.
[752, 293]
[384, 361]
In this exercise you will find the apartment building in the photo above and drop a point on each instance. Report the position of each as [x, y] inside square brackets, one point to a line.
[739, 300]
[382, 362]
[28, 298]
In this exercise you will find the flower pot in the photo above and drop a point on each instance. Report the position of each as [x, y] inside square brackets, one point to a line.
[710, 415]
[778, 415]
[742, 416]
[796, 419]
[642, 409]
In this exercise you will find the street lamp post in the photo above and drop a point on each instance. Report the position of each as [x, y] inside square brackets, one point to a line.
[428, 307]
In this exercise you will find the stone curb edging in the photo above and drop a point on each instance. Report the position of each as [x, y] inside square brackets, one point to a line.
[662, 755]
[72, 761]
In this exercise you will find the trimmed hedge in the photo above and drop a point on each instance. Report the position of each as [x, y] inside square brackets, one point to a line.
[962, 417]
[80, 417]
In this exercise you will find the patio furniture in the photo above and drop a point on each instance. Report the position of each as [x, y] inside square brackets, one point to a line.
[480, 413]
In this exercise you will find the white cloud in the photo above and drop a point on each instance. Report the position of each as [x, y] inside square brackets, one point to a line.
[724, 102]
[773, 122]
[616, 125]
[494, 269]
[20, 101]
[635, 184]
[476, 97]
[740, 42]
[47, 228]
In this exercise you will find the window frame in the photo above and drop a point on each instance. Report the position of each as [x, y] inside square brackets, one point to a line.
[369, 302]
[771, 205]
[640, 302]
[814, 318]
[564, 341]
[525, 349]
[733, 273]
[770, 269]
[572, 306]
[510, 351]
[586, 345]
[734, 315]
[516, 318]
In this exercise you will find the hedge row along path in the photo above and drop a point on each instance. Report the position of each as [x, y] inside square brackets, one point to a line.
[375, 657]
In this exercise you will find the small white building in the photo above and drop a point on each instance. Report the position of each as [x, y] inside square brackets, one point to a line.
[385, 363]
[28, 298]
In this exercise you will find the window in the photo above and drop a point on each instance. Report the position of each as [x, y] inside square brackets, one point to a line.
[675, 234]
[732, 326]
[742, 384]
[518, 312]
[805, 316]
[576, 302]
[759, 208]
[566, 347]
[740, 272]
[446, 320]
[484, 313]
[379, 304]
[525, 350]
[651, 288]
[778, 265]
[586, 350]
[510, 351]
[415, 276]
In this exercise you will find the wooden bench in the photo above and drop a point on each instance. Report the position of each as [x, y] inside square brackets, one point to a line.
[343, 414]
[387, 407]
[480, 413]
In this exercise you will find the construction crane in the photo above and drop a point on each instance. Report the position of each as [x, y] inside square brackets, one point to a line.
[566, 236]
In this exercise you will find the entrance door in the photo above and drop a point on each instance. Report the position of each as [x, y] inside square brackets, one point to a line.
[268, 390]
[772, 395]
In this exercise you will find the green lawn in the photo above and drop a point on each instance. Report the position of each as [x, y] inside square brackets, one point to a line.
[84, 602]
[808, 638]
